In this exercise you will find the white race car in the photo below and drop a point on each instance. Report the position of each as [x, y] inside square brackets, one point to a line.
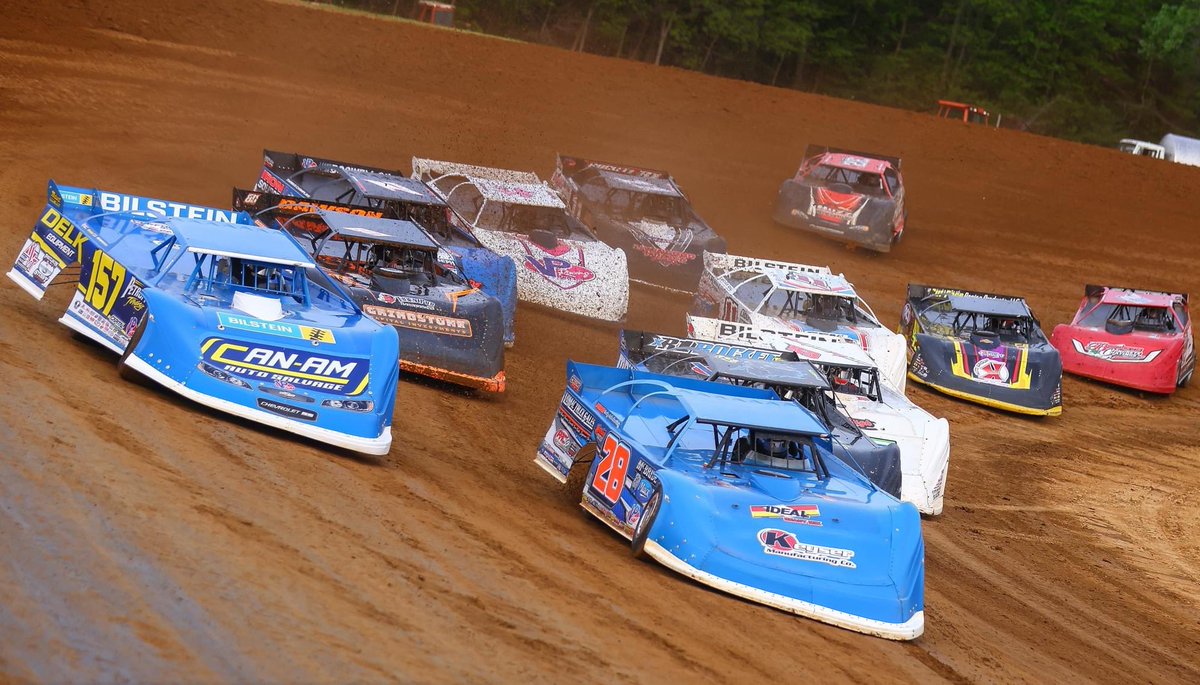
[879, 411]
[800, 297]
[560, 262]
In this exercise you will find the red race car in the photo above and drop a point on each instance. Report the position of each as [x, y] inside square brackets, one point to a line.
[1140, 339]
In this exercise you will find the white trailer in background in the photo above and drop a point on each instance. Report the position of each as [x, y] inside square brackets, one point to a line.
[1175, 148]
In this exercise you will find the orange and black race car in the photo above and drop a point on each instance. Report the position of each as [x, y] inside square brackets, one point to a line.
[853, 197]
[981, 347]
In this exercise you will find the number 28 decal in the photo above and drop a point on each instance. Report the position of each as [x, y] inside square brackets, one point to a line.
[610, 473]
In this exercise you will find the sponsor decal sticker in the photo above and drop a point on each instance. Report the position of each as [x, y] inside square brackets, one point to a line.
[557, 266]
[116, 202]
[1115, 352]
[578, 415]
[286, 330]
[287, 410]
[991, 371]
[863, 423]
[421, 321]
[781, 543]
[302, 369]
[803, 514]
[665, 257]
[575, 383]
[405, 300]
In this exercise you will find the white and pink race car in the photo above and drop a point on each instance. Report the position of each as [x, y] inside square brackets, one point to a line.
[560, 263]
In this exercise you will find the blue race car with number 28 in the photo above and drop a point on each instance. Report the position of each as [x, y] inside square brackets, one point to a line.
[222, 311]
[731, 487]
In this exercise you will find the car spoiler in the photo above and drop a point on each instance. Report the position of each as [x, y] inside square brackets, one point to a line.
[637, 346]
[811, 151]
[57, 240]
[573, 165]
[295, 161]
[720, 260]
[1090, 291]
[429, 169]
[919, 292]
[257, 203]
[822, 348]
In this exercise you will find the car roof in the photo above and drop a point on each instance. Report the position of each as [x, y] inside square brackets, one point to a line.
[821, 284]
[1144, 298]
[238, 240]
[370, 229]
[748, 412]
[799, 374]
[991, 306]
[856, 162]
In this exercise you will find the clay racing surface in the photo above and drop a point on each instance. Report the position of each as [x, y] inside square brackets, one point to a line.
[144, 539]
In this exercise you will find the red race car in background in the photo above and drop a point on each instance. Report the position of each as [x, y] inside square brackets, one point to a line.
[1140, 339]
[853, 197]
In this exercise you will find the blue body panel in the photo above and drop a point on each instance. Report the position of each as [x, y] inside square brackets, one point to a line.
[816, 542]
[300, 356]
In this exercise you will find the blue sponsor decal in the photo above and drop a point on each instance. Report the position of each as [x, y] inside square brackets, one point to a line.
[280, 328]
[666, 342]
[117, 202]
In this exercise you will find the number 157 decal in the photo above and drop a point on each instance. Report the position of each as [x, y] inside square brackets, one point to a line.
[610, 473]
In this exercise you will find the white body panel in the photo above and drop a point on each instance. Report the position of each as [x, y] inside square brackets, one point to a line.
[885, 346]
[587, 278]
[924, 440]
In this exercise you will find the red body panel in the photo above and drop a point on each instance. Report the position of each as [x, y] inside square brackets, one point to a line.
[1142, 361]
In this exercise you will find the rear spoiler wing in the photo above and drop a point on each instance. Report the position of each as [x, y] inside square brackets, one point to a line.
[61, 236]
[1090, 291]
[257, 203]
[719, 260]
[429, 169]
[294, 161]
[811, 151]
[637, 346]
[821, 348]
[920, 292]
[571, 166]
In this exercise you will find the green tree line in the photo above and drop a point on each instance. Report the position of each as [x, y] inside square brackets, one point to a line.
[1088, 70]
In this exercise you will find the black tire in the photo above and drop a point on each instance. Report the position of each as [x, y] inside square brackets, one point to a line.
[1185, 380]
[123, 369]
[637, 544]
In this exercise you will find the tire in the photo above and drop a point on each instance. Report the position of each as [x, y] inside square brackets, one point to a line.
[637, 545]
[1183, 380]
[123, 369]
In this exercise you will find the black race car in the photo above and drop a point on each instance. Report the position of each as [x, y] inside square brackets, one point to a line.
[794, 379]
[643, 212]
[449, 329]
[389, 194]
[981, 347]
[854, 197]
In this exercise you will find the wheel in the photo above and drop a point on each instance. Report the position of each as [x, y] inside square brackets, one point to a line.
[123, 369]
[1185, 379]
[637, 546]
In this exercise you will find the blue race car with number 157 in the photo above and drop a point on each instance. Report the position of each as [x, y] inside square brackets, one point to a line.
[229, 314]
[737, 490]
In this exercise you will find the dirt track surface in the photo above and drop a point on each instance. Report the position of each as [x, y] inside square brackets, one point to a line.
[143, 539]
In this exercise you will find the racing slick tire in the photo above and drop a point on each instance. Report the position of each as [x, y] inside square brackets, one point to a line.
[123, 369]
[1184, 380]
[641, 532]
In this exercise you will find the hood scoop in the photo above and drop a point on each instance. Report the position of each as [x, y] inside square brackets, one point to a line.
[265, 308]
[777, 486]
